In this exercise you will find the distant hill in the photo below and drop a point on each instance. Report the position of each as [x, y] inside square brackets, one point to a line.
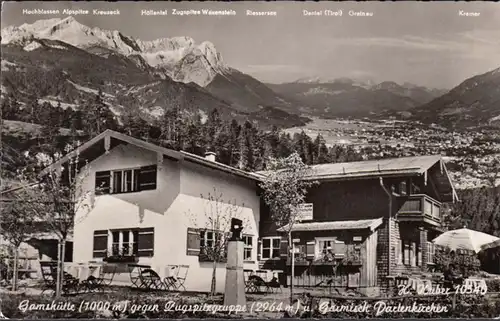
[475, 102]
[350, 98]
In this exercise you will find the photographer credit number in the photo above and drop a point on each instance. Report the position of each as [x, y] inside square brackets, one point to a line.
[408, 289]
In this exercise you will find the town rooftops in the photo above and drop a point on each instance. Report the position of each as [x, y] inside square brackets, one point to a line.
[109, 139]
[335, 226]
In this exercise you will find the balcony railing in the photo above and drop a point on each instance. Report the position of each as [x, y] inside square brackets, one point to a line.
[126, 253]
[420, 205]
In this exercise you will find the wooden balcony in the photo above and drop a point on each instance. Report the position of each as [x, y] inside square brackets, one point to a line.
[419, 207]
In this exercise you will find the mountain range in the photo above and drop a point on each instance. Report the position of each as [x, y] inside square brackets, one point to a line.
[65, 62]
[346, 97]
[476, 101]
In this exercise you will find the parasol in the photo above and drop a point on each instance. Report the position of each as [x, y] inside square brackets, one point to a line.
[464, 239]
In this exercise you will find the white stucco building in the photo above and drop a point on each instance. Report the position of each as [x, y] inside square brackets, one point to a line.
[149, 206]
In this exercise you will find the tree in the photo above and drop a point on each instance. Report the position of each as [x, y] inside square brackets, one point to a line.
[218, 213]
[320, 152]
[60, 196]
[19, 220]
[478, 209]
[493, 176]
[284, 190]
[243, 149]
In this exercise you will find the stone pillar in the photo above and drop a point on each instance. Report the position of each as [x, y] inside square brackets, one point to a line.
[234, 293]
[423, 244]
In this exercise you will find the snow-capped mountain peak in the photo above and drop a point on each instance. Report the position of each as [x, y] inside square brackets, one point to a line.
[344, 81]
[179, 57]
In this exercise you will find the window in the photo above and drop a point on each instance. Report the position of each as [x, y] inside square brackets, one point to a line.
[102, 182]
[123, 181]
[248, 247]
[124, 243]
[210, 246]
[406, 252]
[126, 180]
[270, 247]
[329, 246]
[409, 253]
[402, 188]
[431, 250]
[207, 238]
[399, 252]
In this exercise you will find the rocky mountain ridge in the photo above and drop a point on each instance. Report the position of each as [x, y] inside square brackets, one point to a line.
[180, 57]
[474, 102]
[159, 73]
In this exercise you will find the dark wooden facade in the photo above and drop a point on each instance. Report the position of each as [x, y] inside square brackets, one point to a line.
[414, 208]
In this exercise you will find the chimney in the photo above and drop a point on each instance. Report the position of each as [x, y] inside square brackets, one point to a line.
[210, 156]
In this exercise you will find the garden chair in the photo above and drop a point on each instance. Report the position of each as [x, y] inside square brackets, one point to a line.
[249, 284]
[269, 285]
[135, 272]
[70, 285]
[151, 280]
[274, 284]
[49, 282]
[178, 276]
[257, 282]
[106, 275]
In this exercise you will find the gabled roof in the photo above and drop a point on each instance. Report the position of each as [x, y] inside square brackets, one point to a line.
[336, 225]
[390, 167]
[383, 167]
[110, 139]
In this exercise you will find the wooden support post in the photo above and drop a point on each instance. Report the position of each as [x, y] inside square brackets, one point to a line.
[107, 144]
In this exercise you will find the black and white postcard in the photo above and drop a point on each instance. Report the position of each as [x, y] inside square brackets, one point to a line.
[250, 160]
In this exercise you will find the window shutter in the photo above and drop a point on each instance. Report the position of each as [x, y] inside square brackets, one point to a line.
[145, 243]
[102, 182]
[100, 243]
[284, 248]
[310, 249]
[259, 250]
[193, 241]
[147, 178]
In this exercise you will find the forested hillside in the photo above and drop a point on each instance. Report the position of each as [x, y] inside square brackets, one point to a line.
[478, 209]
[242, 145]
[42, 127]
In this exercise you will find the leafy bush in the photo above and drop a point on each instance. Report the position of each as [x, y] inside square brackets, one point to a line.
[493, 285]
[467, 263]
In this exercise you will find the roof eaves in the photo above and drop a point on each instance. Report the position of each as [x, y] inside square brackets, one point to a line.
[374, 224]
[219, 166]
[75, 151]
[454, 192]
[365, 174]
[119, 136]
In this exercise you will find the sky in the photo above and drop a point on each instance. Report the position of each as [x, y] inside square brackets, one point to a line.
[425, 43]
